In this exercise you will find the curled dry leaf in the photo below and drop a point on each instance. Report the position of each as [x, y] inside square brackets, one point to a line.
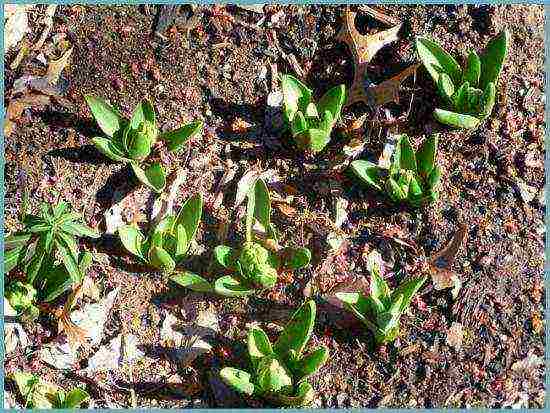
[440, 263]
[14, 335]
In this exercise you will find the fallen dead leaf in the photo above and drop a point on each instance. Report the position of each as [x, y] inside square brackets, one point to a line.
[14, 334]
[18, 105]
[55, 67]
[440, 263]
[120, 350]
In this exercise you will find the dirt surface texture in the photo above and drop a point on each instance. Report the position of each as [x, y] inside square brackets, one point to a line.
[477, 344]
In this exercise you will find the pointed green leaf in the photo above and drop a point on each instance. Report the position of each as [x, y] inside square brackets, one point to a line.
[60, 209]
[35, 264]
[176, 138]
[312, 362]
[12, 257]
[368, 172]
[433, 178]
[304, 396]
[192, 281]
[296, 96]
[160, 258]
[488, 100]
[456, 120]
[68, 258]
[493, 58]
[182, 243]
[437, 61]
[333, 101]
[445, 87]
[110, 150]
[405, 153]
[460, 98]
[408, 290]
[426, 155]
[262, 203]
[473, 69]
[258, 344]
[314, 140]
[231, 287]
[108, 118]
[237, 379]
[132, 239]
[190, 216]
[395, 191]
[74, 399]
[327, 123]
[225, 256]
[153, 177]
[19, 239]
[298, 124]
[79, 230]
[415, 190]
[298, 331]
[296, 258]
[311, 110]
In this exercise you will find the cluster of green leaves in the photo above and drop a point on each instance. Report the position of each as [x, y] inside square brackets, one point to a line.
[39, 394]
[254, 266]
[469, 93]
[412, 178]
[169, 241]
[280, 371]
[382, 309]
[46, 250]
[311, 123]
[131, 140]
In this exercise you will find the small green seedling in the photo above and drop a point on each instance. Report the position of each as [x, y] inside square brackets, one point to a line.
[413, 177]
[382, 309]
[169, 241]
[254, 266]
[39, 394]
[131, 140]
[311, 123]
[469, 93]
[46, 250]
[280, 371]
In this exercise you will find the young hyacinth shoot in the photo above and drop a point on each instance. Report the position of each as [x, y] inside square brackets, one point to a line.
[279, 371]
[469, 93]
[254, 266]
[382, 309]
[413, 177]
[310, 123]
[131, 140]
[39, 394]
[35, 250]
[169, 241]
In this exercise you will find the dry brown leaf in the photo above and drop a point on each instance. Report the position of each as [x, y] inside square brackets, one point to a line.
[55, 67]
[440, 263]
[18, 105]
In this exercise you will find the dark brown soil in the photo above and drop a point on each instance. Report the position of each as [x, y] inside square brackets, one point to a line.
[214, 73]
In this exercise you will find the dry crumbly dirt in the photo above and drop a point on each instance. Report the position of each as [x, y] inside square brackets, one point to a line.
[216, 72]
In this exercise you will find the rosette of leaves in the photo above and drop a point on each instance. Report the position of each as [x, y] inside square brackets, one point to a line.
[169, 241]
[412, 178]
[46, 250]
[381, 311]
[279, 371]
[310, 122]
[131, 140]
[253, 265]
[469, 93]
[39, 394]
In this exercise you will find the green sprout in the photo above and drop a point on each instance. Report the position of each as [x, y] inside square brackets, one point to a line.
[311, 123]
[254, 266]
[469, 94]
[382, 309]
[169, 241]
[35, 250]
[280, 371]
[412, 178]
[131, 140]
[39, 394]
